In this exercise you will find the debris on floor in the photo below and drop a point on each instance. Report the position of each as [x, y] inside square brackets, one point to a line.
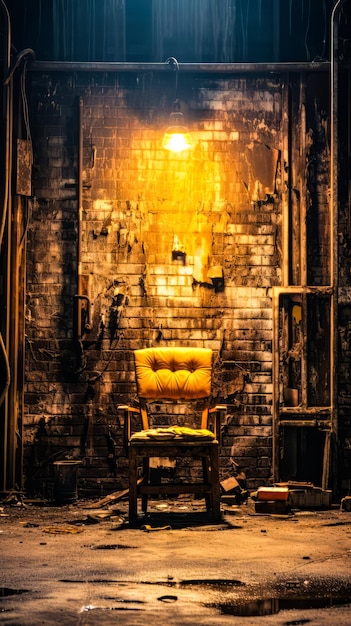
[234, 489]
[345, 504]
[116, 496]
[62, 530]
[284, 497]
[307, 496]
[273, 493]
[273, 500]
[148, 528]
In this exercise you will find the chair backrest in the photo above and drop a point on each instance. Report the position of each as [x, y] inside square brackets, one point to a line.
[173, 373]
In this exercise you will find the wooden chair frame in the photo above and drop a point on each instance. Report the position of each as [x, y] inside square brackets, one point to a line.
[173, 375]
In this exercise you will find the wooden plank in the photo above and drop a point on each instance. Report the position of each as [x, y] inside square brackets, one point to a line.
[112, 497]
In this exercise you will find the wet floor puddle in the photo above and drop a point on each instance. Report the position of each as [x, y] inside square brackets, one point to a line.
[233, 597]
[111, 546]
[272, 606]
[291, 595]
[227, 596]
[7, 591]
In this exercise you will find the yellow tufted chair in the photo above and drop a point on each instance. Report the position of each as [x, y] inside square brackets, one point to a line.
[175, 376]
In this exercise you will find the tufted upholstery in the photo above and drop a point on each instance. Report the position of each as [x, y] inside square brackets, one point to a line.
[173, 373]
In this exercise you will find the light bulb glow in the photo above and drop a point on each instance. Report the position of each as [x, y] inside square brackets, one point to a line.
[176, 139]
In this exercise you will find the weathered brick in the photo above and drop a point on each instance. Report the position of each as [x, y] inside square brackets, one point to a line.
[137, 199]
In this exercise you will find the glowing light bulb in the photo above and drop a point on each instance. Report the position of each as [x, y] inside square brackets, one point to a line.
[176, 140]
[177, 137]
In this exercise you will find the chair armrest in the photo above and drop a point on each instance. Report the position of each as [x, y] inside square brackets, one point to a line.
[218, 409]
[130, 409]
[128, 412]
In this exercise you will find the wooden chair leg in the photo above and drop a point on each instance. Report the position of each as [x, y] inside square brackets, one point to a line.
[215, 486]
[146, 464]
[133, 478]
[206, 479]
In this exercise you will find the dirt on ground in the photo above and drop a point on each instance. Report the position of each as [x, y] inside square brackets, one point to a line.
[81, 564]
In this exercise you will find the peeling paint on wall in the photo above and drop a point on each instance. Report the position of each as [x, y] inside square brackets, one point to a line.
[262, 162]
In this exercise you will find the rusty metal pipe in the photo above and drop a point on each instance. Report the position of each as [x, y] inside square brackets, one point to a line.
[80, 328]
[80, 198]
[22, 55]
[222, 68]
[77, 303]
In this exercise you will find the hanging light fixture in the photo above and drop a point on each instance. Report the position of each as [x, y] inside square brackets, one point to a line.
[176, 137]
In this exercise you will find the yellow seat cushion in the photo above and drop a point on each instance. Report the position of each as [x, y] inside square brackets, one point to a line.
[173, 373]
[174, 432]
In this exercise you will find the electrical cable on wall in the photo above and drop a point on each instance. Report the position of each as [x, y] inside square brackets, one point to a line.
[6, 117]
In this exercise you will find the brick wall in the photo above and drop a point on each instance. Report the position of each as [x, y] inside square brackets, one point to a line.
[218, 205]
[344, 294]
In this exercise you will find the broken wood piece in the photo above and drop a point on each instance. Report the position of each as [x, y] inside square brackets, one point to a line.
[229, 484]
[112, 497]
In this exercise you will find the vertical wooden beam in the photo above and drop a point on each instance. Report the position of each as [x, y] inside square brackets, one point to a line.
[301, 181]
[285, 180]
[275, 377]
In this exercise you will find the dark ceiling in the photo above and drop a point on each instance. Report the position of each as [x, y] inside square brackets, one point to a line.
[192, 30]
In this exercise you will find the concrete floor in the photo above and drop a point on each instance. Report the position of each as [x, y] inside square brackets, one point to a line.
[77, 565]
